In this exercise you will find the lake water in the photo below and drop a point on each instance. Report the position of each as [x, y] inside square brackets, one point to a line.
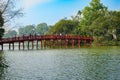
[61, 64]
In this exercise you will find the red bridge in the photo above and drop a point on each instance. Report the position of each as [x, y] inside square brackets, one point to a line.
[51, 41]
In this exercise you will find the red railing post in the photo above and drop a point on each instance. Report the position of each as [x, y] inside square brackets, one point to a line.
[37, 45]
[28, 45]
[52, 45]
[32, 44]
[60, 43]
[13, 45]
[66, 43]
[85, 41]
[19, 45]
[44, 43]
[78, 43]
[23, 45]
[73, 43]
[41, 44]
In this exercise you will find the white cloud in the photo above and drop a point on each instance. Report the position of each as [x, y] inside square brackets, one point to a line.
[30, 3]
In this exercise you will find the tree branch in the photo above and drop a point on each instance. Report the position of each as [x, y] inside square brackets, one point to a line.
[14, 14]
[6, 6]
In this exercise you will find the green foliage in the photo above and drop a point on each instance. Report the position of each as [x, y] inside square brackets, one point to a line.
[27, 30]
[111, 43]
[42, 28]
[12, 33]
[77, 17]
[99, 22]
[21, 31]
[63, 26]
[90, 14]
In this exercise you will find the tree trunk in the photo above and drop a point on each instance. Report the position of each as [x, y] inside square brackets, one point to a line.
[114, 34]
[1, 20]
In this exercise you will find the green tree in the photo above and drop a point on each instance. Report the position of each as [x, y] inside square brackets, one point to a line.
[21, 31]
[108, 24]
[90, 14]
[12, 33]
[77, 17]
[7, 12]
[42, 28]
[64, 26]
[99, 22]
[27, 30]
[114, 23]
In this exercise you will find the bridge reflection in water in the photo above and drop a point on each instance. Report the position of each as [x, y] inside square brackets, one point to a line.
[47, 40]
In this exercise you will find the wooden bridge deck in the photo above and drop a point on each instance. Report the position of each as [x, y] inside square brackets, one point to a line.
[60, 40]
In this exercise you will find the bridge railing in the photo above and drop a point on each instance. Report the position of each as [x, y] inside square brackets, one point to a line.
[44, 37]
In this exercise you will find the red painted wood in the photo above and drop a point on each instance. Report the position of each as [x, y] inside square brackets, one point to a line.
[32, 44]
[73, 43]
[58, 38]
[37, 45]
[60, 43]
[52, 45]
[19, 45]
[13, 46]
[78, 43]
[41, 44]
[44, 43]
[85, 43]
[66, 42]
[28, 45]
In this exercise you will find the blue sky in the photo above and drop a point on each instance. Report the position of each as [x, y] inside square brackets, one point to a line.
[51, 11]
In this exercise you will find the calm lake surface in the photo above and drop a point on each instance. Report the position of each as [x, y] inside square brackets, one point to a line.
[61, 64]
